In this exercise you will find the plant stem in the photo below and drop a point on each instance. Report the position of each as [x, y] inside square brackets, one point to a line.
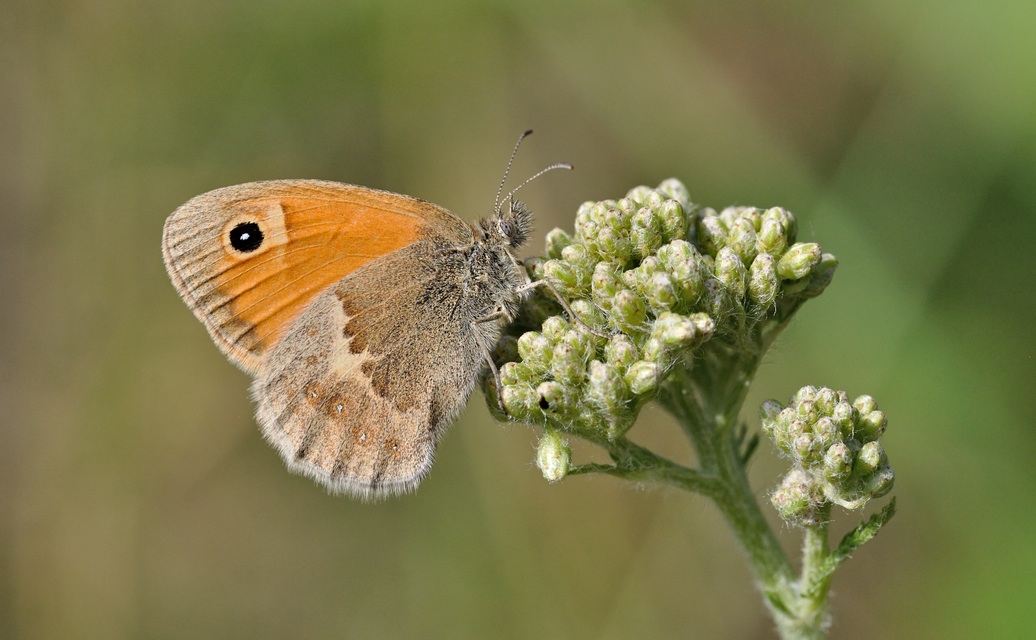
[708, 415]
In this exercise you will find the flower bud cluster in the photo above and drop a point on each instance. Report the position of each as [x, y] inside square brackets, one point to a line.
[650, 278]
[757, 261]
[634, 283]
[835, 449]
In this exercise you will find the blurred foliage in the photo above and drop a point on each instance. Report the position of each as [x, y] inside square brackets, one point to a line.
[137, 497]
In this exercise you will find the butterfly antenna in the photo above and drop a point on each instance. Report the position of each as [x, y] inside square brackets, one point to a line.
[560, 165]
[496, 202]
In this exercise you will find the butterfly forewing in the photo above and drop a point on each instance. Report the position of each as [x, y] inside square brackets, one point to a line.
[249, 258]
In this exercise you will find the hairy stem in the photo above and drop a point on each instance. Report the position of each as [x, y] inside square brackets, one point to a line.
[708, 407]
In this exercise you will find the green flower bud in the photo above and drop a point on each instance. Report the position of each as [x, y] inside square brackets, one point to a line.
[675, 331]
[732, 273]
[599, 211]
[822, 276]
[805, 448]
[827, 432]
[553, 397]
[646, 232]
[653, 200]
[772, 238]
[763, 283]
[643, 377]
[717, 299]
[655, 351]
[587, 230]
[624, 210]
[711, 235]
[604, 284]
[704, 325]
[869, 459]
[804, 394]
[674, 220]
[621, 352]
[787, 221]
[787, 415]
[536, 351]
[584, 217]
[614, 245]
[865, 404]
[581, 341]
[562, 275]
[753, 215]
[871, 426]
[742, 239]
[629, 313]
[675, 252]
[606, 387]
[554, 329]
[639, 194]
[568, 365]
[797, 498]
[838, 463]
[881, 482]
[789, 436]
[587, 312]
[728, 215]
[557, 239]
[845, 415]
[768, 413]
[660, 292]
[553, 456]
[688, 279]
[807, 410]
[637, 278]
[517, 373]
[799, 261]
[825, 400]
[534, 267]
[673, 188]
[579, 257]
[520, 401]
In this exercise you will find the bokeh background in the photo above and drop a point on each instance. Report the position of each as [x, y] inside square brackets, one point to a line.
[137, 498]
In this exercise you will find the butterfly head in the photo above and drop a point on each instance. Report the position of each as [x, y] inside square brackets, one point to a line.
[510, 227]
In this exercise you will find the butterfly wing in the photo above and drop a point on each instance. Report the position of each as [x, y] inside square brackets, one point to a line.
[248, 259]
[363, 384]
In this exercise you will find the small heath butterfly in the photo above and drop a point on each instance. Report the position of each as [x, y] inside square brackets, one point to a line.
[365, 317]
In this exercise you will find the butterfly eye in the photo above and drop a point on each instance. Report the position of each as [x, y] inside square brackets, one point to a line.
[506, 228]
[246, 237]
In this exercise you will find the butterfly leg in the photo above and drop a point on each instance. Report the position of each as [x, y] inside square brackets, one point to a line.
[488, 356]
[532, 284]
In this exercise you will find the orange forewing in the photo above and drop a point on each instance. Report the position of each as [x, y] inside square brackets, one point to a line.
[314, 234]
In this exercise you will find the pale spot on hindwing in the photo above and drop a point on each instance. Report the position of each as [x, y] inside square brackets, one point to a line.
[318, 407]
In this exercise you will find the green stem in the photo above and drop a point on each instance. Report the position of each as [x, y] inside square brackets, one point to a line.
[634, 462]
[812, 614]
[708, 407]
[737, 503]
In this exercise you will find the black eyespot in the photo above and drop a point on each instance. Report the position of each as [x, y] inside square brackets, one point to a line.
[246, 237]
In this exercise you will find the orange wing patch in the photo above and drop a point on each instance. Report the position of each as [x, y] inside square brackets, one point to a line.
[313, 234]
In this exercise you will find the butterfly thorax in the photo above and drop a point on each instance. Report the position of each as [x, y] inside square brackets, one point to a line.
[496, 273]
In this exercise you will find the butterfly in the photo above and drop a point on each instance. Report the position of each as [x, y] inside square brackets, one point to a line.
[365, 317]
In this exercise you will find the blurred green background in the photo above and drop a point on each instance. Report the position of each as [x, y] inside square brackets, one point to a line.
[138, 498]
